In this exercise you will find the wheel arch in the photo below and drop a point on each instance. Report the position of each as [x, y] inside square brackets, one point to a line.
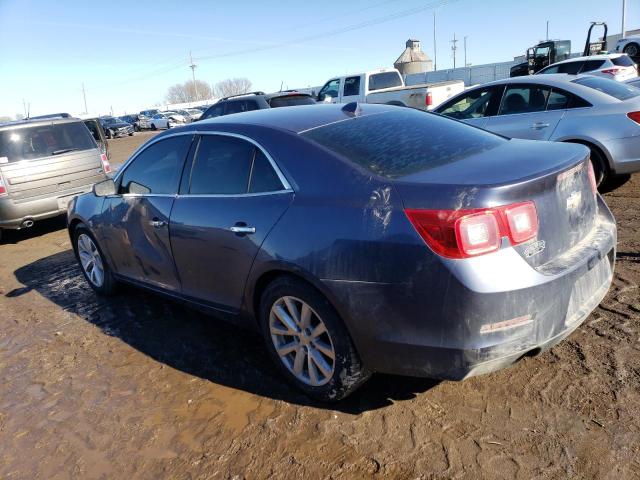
[591, 143]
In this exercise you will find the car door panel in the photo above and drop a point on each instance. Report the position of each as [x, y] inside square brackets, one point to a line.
[213, 262]
[531, 126]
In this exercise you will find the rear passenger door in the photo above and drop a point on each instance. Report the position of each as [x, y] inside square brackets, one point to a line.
[229, 201]
[351, 89]
[523, 113]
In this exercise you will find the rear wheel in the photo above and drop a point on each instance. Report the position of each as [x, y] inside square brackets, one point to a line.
[92, 262]
[632, 49]
[308, 341]
[600, 168]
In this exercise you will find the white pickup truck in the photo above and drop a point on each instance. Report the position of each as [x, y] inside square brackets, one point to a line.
[387, 86]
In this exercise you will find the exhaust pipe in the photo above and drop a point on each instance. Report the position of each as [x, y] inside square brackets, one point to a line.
[27, 224]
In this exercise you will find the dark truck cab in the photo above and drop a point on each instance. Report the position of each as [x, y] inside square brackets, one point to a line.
[542, 55]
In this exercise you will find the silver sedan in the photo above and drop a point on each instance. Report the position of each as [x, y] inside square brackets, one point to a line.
[602, 114]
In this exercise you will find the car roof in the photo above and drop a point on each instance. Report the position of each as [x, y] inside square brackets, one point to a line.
[603, 56]
[38, 121]
[295, 119]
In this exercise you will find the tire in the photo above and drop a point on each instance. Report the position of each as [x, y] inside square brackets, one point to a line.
[600, 168]
[131, 134]
[84, 242]
[326, 380]
[168, 125]
[153, 126]
[632, 49]
[109, 134]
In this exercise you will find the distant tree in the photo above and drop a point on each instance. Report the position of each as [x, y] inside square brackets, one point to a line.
[232, 86]
[186, 92]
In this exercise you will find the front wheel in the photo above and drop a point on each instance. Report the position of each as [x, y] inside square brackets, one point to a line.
[308, 341]
[631, 49]
[92, 262]
[153, 126]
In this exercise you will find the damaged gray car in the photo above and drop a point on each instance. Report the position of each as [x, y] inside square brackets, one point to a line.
[358, 239]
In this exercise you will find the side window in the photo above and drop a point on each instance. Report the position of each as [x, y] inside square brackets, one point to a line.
[558, 100]
[222, 166]
[251, 105]
[524, 99]
[235, 107]
[553, 69]
[591, 65]
[263, 176]
[157, 169]
[212, 112]
[330, 89]
[472, 105]
[351, 86]
[578, 102]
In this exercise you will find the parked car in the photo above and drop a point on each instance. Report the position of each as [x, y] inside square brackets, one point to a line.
[613, 66]
[134, 120]
[387, 86]
[93, 124]
[166, 120]
[599, 113]
[43, 164]
[629, 45]
[149, 113]
[115, 127]
[358, 238]
[194, 113]
[247, 102]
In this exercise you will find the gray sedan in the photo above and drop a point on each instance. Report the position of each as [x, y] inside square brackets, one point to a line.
[602, 114]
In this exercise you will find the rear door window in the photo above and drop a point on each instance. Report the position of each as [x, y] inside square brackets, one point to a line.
[351, 86]
[524, 99]
[157, 169]
[212, 112]
[402, 142]
[29, 143]
[263, 177]
[558, 100]
[591, 65]
[378, 81]
[235, 106]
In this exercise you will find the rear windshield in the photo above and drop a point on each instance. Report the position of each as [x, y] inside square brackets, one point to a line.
[384, 80]
[291, 101]
[29, 143]
[610, 87]
[623, 61]
[403, 142]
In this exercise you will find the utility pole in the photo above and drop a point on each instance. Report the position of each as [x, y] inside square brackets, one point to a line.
[193, 66]
[435, 51]
[624, 14]
[24, 107]
[465, 50]
[547, 29]
[453, 49]
[84, 96]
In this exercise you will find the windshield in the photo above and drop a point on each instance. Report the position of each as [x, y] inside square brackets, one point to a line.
[109, 120]
[30, 143]
[612, 88]
[403, 142]
[291, 101]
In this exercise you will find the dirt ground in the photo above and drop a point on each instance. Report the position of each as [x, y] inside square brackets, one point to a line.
[139, 387]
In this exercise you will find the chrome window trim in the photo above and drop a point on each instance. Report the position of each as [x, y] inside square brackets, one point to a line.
[274, 165]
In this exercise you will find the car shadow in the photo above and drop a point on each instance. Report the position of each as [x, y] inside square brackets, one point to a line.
[187, 340]
[39, 228]
[614, 183]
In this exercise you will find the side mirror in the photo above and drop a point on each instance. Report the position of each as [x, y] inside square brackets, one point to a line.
[104, 188]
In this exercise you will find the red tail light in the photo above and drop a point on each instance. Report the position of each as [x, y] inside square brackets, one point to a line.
[612, 71]
[467, 233]
[635, 116]
[3, 188]
[428, 100]
[105, 163]
[592, 178]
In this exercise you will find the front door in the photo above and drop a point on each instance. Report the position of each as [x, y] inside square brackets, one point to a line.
[135, 229]
[220, 219]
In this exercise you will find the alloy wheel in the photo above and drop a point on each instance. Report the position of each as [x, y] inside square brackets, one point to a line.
[302, 341]
[90, 260]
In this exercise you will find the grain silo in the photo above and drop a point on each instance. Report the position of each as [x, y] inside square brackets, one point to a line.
[413, 59]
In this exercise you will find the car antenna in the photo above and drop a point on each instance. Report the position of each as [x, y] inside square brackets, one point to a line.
[352, 109]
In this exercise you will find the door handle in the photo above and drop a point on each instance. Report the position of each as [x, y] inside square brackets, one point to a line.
[539, 125]
[242, 229]
[157, 223]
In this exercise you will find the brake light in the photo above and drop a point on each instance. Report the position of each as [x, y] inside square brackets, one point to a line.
[467, 233]
[428, 99]
[592, 178]
[612, 71]
[635, 116]
[105, 163]
[3, 188]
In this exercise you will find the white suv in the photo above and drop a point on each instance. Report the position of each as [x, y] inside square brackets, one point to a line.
[615, 66]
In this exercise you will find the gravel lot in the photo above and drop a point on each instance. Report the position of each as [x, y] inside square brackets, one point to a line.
[139, 387]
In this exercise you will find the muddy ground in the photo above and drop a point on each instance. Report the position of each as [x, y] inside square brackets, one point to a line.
[138, 387]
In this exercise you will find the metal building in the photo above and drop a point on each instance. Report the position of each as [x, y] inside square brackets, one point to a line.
[413, 59]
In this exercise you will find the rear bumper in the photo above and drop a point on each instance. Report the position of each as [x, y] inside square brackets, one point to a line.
[13, 213]
[625, 153]
[473, 325]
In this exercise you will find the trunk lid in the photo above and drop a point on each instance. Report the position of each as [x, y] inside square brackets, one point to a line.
[552, 175]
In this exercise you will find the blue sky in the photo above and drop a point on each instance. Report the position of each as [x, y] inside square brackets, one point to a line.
[128, 53]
